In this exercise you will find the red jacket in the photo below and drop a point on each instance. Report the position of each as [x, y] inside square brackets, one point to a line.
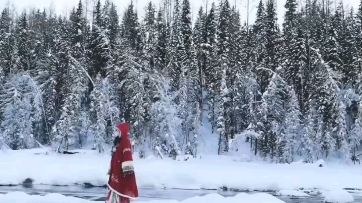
[122, 161]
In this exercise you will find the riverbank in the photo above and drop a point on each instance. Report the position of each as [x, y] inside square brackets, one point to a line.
[21, 197]
[89, 168]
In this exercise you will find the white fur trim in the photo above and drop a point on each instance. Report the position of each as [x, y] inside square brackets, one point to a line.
[126, 150]
[122, 195]
[127, 163]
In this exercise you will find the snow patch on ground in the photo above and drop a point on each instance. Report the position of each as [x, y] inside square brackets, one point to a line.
[292, 193]
[20, 197]
[210, 172]
[338, 196]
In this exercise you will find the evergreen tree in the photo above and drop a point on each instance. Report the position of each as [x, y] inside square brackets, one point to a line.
[8, 51]
[221, 119]
[103, 105]
[149, 35]
[24, 48]
[311, 144]
[99, 43]
[21, 105]
[161, 56]
[295, 52]
[290, 139]
[210, 77]
[275, 98]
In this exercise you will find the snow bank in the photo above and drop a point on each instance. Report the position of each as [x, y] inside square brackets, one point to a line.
[337, 196]
[206, 173]
[20, 197]
[240, 198]
[292, 193]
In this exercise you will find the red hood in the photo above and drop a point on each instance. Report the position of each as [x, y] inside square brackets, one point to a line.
[124, 128]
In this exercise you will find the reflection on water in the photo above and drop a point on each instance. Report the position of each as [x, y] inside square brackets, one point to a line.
[98, 194]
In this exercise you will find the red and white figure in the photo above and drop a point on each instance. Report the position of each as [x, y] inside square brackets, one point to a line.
[122, 182]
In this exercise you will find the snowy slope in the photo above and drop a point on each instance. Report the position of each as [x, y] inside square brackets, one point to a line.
[208, 172]
[19, 197]
[208, 140]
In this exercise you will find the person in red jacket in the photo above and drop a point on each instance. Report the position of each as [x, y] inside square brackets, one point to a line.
[122, 179]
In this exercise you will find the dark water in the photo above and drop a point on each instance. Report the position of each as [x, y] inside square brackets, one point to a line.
[98, 194]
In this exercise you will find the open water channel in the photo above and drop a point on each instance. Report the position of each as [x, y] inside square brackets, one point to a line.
[99, 193]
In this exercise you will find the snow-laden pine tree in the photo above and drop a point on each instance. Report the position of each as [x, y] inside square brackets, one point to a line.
[104, 108]
[295, 51]
[49, 73]
[21, 109]
[190, 80]
[347, 43]
[135, 84]
[275, 96]
[236, 59]
[100, 40]
[46, 76]
[67, 128]
[328, 90]
[221, 119]
[342, 145]
[359, 35]
[37, 39]
[258, 36]
[166, 121]
[355, 137]
[211, 79]
[161, 55]
[85, 129]
[260, 125]
[176, 50]
[130, 28]
[291, 135]
[248, 106]
[149, 35]
[24, 45]
[311, 141]
[7, 42]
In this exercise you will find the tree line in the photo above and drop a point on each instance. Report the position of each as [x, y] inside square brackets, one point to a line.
[298, 87]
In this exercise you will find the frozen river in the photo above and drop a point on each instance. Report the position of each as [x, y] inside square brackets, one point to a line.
[97, 193]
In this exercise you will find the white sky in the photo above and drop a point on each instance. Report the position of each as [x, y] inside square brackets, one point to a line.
[64, 6]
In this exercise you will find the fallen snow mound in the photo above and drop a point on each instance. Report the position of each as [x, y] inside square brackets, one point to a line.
[20, 197]
[337, 196]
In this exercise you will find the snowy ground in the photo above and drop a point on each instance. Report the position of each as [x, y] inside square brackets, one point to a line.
[20, 197]
[206, 173]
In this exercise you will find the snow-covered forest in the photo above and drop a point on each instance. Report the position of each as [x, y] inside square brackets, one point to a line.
[67, 80]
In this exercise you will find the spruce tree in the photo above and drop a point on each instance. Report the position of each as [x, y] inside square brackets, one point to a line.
[24, 48]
